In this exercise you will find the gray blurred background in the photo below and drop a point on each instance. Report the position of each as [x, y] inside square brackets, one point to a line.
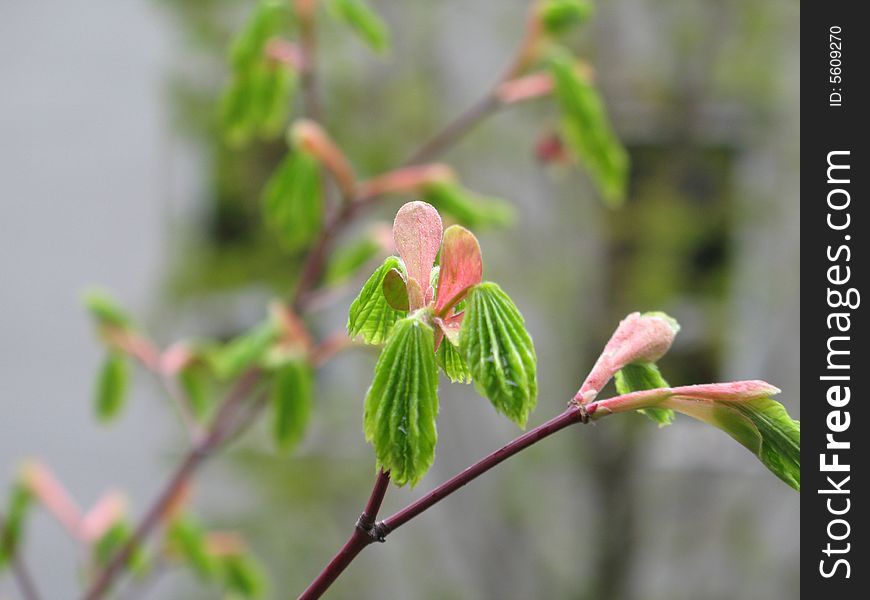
[111, 174]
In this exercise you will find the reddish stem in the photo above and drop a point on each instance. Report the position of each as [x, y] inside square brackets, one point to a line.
[363, 536]
[364, 533]
[571, 416]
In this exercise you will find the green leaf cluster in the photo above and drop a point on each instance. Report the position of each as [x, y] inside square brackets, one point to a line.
[236, 572]
[493, 350]
[258, 98]
[587, 129]
[293, 200]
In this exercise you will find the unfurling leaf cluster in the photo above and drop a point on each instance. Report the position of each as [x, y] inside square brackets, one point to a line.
[431, 316]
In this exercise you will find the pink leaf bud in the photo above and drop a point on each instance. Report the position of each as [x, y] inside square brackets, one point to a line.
[417, 233]
[638, 338]
[309, 136]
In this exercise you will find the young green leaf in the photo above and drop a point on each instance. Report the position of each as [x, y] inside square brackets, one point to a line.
[559, 16]
[242, 575]
[105, 310]
[260, 92]
[402, 403]
[587, 129]
[112, 383]
[499, 352]
[194, 381]
[347, 260]
[275, 84]
[742, 409]
[244, 351]
[357, 15]
[187, 539]
[291, 397]
[370, 316]
[112, 541]
[268, 20]
[452, 363]
[780, 444]
[292, 200]
[19, 503]
[644, 376]
[470, 209]
[396, 290]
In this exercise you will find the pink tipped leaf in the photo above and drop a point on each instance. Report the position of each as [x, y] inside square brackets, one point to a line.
[638, 338]
[681, 397]
[461, 267]
[742, 409]
[417, 233]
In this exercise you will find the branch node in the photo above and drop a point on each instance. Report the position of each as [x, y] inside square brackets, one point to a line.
[584, 414]
[365, 523]
[380, 531]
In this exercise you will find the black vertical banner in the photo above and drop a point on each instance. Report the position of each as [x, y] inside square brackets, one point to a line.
[834, 224]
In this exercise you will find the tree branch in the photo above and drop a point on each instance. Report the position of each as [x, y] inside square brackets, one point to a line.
[364, 533]
[217, 433]
[379, 531]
